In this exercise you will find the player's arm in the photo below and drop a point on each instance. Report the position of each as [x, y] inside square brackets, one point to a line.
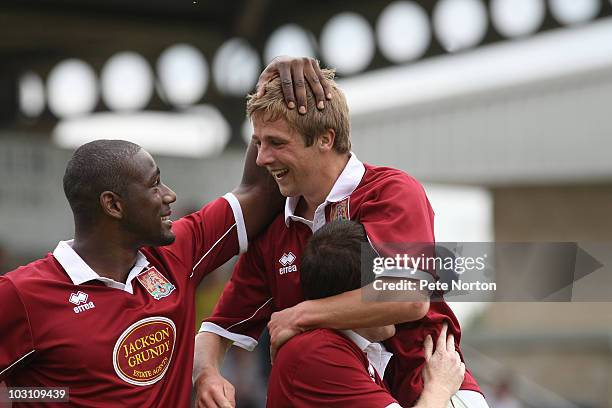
[398, 213]
[347, 310]
[238, 318]
[258, 195]
[211, 388]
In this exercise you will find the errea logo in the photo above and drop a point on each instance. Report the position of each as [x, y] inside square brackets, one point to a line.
[287, 263]
[80, 300]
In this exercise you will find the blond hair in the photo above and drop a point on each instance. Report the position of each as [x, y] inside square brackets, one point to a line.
[272, 107]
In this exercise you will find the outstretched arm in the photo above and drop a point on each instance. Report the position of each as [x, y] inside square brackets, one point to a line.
[258, 195]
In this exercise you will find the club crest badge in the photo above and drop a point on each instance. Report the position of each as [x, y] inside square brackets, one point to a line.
[155, 283]
[340, 210]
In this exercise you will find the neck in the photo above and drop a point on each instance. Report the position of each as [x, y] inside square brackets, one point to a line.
[366, 334]
[107, 257]
[326, 178]
[374, 334]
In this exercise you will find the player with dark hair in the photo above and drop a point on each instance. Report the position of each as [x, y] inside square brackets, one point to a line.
[110, 314]
[309, 157]
[340, 368]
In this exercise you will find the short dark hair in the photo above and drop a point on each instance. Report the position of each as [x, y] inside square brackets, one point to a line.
[95, 167]
[331, 263]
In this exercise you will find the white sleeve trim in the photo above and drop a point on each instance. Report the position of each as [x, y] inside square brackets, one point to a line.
[394, 405]
[243, 241]
[240, 340]
[16, 362]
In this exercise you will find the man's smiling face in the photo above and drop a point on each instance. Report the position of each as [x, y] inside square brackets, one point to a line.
[282, 151]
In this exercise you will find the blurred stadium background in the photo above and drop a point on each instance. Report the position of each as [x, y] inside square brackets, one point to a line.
[501, 107]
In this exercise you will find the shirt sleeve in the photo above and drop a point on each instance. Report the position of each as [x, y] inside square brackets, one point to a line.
[246, 304]
[211, 236]
[16, 342]
[398, 220]
[328, 375]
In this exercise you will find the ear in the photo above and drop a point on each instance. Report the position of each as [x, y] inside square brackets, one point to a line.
[112, 205]
[325, 141]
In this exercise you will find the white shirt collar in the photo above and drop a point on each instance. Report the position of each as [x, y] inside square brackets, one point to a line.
[344, 186]
[79, 272]
[377, 354]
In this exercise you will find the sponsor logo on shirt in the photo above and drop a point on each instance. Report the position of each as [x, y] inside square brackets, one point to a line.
[155, 283]
[287, 263]
[80, 300]
[143, 352]
[340, 210]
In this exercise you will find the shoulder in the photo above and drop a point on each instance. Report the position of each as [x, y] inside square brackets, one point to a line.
[377, 177]
[319, 348]
[392, 189]
[46, 268]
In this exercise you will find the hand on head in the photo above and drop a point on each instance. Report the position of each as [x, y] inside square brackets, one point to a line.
[294, 74]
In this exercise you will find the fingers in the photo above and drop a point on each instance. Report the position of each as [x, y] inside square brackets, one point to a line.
[221, 400]
[441, 342]
[297, 73]
[327, 88]
[315, 81]
[214, 400]
[450, 343]
[284, 71]
[230, 394]
[272, 354]
[428, 346]
[294, 73]
[267, 75]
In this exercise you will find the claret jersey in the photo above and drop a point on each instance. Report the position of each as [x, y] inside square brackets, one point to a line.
[325, 368]
[393, 208]
[110, 343]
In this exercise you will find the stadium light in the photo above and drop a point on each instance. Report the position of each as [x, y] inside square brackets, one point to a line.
[202, 131]
[127, 82]
[347, 43]
[403, 31]
[516, 18]
[460, 24]
[31, 94]
[72, 89]
[571, 12]
[236, 67]
[183, 74]
[289, 39]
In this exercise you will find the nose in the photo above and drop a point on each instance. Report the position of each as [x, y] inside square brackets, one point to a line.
[169, 195]
[264, 157]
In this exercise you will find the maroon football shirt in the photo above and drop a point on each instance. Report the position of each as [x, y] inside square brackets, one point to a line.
[393, 208]
[323, 368]
[115, 344]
